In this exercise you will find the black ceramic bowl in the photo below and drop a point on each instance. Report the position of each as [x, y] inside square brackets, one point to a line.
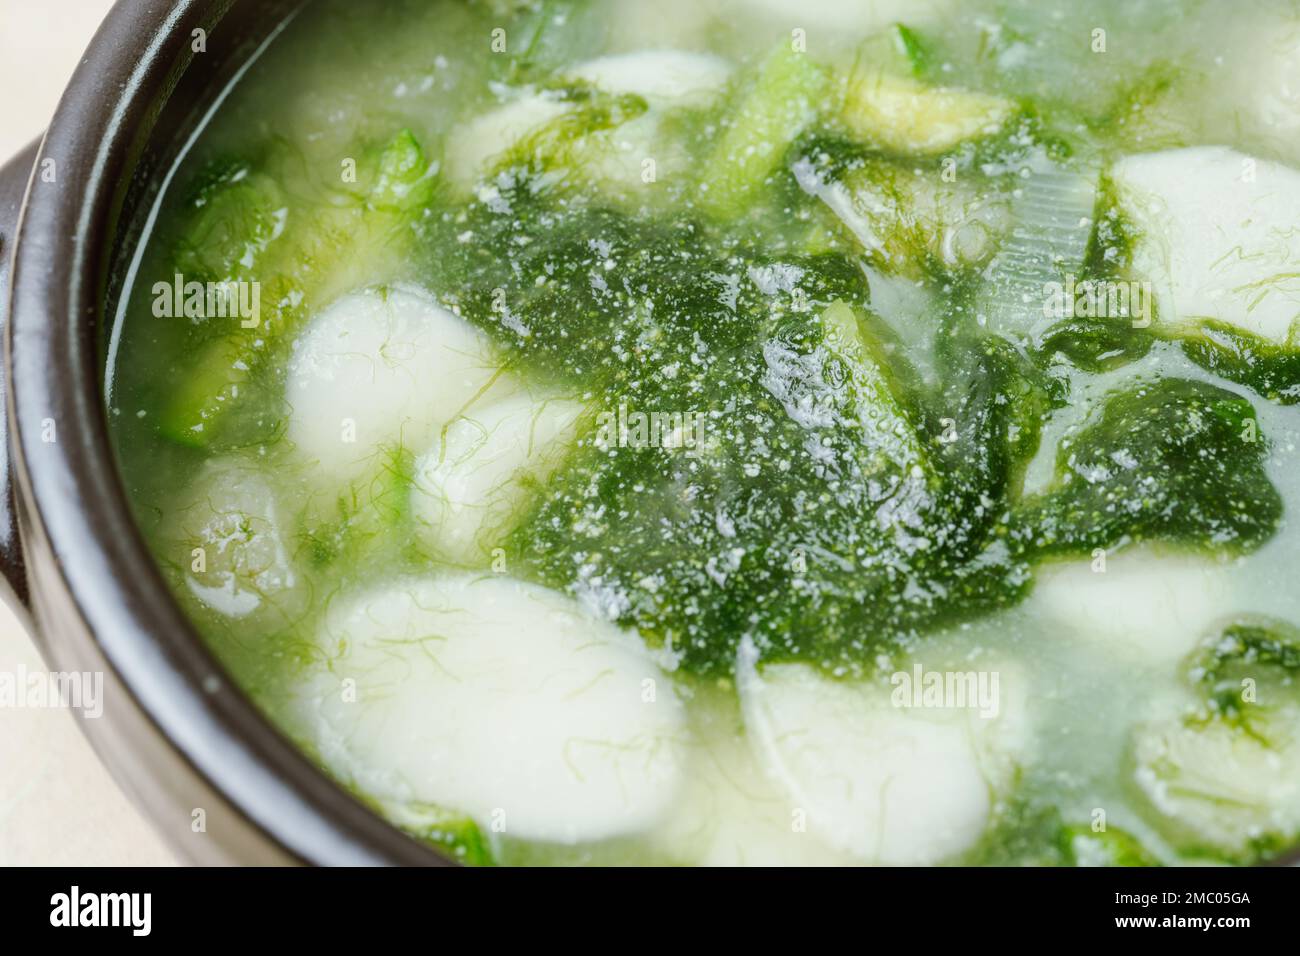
[175, 732]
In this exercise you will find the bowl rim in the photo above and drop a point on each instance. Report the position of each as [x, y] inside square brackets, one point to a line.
[72, 504]
[73, 508]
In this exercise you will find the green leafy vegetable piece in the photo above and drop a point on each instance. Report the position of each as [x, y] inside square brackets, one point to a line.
[1248, 671]
[458, 837]
[896, 49]
[571, 141]
[547, 36]
[1269, 369]
[404, 185]
[606, 300]
[903, 115]
[911, 47]
[312, 257]
[811, 521]
[995, 401]
[1027, 829]
[1112, 846]
[888, 440]
[767, 117]
[788, 524]
[238, 213]
[1175, 460]
[1097, 344]
[1097, 334]
[817, 514]
[1222, 780]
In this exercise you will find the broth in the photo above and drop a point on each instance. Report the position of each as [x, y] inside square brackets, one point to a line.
[747, 431]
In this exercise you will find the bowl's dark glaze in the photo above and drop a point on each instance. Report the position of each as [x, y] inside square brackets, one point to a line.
[175, 732]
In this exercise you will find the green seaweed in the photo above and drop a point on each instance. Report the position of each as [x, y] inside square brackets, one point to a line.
[1086, 846]
[1247, 670]
[1096, 344]
[1176, 460]
[1268, 369]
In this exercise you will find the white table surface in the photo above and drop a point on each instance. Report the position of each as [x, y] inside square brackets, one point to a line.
[58, 806]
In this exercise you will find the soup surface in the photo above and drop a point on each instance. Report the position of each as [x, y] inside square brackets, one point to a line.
[747, 431]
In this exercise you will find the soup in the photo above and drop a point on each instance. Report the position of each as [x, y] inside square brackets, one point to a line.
[747, 431]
